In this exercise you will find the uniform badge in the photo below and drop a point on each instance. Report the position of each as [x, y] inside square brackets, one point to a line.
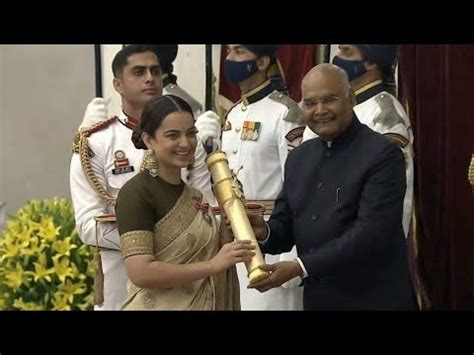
[251, 131]
[295, 133]
[397, 139]
[227, 126]
[121, 163]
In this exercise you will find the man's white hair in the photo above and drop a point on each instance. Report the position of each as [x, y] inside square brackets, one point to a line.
[334, 68]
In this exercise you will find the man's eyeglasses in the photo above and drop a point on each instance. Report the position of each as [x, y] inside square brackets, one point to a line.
[325, 101]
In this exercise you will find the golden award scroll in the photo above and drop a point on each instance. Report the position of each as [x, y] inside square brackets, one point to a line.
[228, 191]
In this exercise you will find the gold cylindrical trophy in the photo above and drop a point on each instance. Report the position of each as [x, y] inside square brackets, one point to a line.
[230, 197]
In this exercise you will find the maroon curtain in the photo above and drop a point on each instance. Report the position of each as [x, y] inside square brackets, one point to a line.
[296, 61]
[436, 84]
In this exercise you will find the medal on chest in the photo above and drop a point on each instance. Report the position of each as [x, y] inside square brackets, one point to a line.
[122, 165]
[251, 131]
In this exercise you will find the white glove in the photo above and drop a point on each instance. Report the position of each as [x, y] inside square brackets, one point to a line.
[209, 126]
[96, 111]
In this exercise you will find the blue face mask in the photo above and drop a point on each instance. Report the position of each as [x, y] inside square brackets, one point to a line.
[353, 68]
[240, 71]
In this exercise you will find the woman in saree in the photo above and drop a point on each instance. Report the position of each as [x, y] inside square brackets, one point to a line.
[177, 258]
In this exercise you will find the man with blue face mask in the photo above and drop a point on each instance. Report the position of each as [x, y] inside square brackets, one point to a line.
[257, 134]
[370, 68]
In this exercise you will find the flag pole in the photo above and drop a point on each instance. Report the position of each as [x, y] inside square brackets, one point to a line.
[208, 104]
[98, 70]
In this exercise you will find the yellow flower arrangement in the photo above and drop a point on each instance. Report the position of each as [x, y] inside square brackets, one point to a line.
[43, 263]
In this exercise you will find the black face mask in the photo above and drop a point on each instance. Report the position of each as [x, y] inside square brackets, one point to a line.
[240, 71]
[353, 68]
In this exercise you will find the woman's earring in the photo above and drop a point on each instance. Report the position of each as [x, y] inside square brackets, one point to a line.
[151, 164]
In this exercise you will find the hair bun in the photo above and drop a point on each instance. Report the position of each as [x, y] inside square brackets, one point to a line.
[137, 138]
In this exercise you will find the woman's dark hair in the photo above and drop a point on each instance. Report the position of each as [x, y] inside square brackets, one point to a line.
[167, 54]
[154, 113]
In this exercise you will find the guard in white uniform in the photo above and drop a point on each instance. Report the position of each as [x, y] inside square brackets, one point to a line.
[105, 158]
[369, 67]
[257, 134]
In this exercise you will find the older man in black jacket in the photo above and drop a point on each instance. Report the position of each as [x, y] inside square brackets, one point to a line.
[341, 204]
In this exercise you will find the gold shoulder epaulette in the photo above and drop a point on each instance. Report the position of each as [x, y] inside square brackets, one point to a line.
[89, 130]
[84, 152]
[98, 126]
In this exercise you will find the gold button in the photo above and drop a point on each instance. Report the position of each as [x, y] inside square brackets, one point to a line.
[237, 129]
[235, 151]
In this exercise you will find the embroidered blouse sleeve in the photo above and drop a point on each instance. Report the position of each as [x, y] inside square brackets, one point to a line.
[135, 219]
